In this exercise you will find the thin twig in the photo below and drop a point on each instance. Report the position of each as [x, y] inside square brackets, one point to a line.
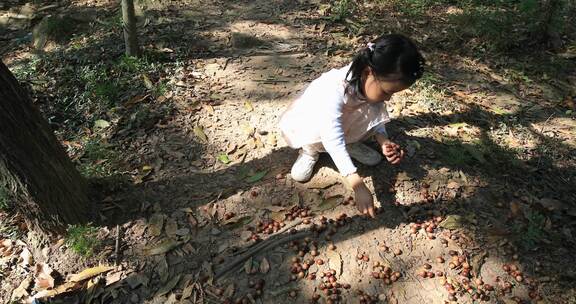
[117, 247]
[281, 231]
[265, 245]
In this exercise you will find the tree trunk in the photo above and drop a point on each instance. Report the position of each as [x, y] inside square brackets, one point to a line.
[129, 20]
[34, 167]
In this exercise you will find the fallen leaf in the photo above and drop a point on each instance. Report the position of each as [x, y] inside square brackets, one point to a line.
[22, 290]
[329, 203]
[236, 222]
[113, 277]
[162, 247]
[248, 130]
[248, 106]
[155, 224]
[43, 275]
[451, 222]
[168, 287]
[248, 266]
[101, 124]
[171, 227]
[334, 261]
[208, 270]
[136, 280]
[264, 266]
[515, 209]
[25, 258]
[224, 158]
[147, 82]
[209, 108]
[90, 273]
[453, 185]
[66, 287]
[229, 292]
[187, 292]
[256, 177]
[552, 204]
[199, 132]
[271, 140]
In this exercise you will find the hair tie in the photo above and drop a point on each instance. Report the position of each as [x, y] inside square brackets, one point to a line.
[370, 46]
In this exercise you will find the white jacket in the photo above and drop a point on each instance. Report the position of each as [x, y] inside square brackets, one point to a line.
[325, 114]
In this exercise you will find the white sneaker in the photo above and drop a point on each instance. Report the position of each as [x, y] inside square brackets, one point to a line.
[303, 167]
[364, 154]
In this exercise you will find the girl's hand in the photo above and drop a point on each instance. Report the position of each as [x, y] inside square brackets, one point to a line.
[393, 152]
[363, 196]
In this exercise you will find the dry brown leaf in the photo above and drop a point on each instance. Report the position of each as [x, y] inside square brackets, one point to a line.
[187, 292]
[22, 290]
[258, 142]
[515, 208]
[229, 292]
[155, 224]
[162, 247]
[171, 227]
[248, 266]
[264, 266]
[26, 258]
[168, 287]
[66, 287]
[248, 106]
[43, 275]
[199, 132]
[90, 273]
[453, 185]
[209, 108]
[113, 277]
[136, 280]
[247, 129]
[272, 141]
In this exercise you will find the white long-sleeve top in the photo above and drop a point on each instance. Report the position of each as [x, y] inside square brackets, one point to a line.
[325, 114]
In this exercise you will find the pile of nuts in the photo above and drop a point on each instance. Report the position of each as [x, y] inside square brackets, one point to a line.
[257, 287]
[299, 269]
[265, 227]
[477, 289]
[429, 226]
[384, 273]
[330, 287]
[298, 212]
[460, 262]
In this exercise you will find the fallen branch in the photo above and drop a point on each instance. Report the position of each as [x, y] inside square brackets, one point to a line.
[265, 245]
[281, 231]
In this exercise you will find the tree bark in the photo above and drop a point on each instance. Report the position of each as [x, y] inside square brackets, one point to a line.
[34, 167]
[129, 20]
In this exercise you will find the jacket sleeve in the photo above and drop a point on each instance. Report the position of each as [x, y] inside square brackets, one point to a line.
[332, 135]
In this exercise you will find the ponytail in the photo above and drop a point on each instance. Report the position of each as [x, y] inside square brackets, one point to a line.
[391, 57]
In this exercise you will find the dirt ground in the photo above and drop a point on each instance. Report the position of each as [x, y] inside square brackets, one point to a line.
[482, 208]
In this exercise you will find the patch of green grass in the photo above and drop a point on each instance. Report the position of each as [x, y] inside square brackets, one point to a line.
[100, 84]
[82, 239]
[4, 198]
[342, 9]
[531, 231]
[99, 159]
[458, 154]
[133, 64]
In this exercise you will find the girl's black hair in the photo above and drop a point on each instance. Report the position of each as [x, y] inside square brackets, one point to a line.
[391, 57]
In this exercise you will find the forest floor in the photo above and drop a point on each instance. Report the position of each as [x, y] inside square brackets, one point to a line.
[193, 177]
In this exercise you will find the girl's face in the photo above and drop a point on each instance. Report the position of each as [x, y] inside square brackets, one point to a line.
[377, 90]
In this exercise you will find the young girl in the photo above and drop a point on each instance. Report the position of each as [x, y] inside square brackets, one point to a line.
[344, 107]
